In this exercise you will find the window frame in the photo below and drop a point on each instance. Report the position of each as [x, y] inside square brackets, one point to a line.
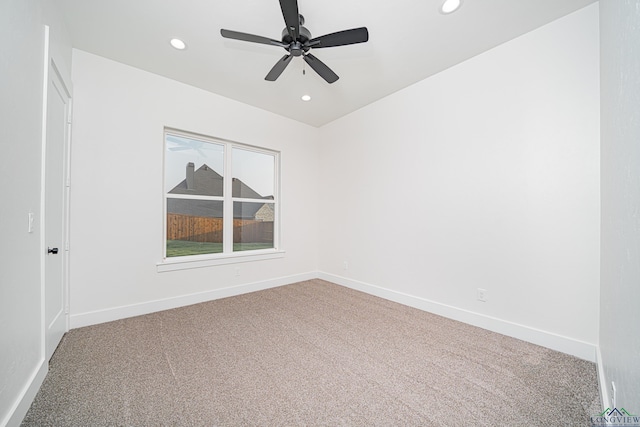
[228, 255]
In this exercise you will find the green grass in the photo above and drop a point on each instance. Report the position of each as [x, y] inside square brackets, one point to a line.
[184, 248]
[251, 246]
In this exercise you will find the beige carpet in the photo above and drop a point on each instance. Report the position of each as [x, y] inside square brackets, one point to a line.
[311, 353]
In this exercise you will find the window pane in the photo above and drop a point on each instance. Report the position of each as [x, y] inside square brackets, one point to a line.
[193, 166]
[253, 225]
[194, 227]
[253, 174]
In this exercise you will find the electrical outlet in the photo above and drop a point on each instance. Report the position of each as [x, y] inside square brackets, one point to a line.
[482, 295]
[237, 271]
[345, 265]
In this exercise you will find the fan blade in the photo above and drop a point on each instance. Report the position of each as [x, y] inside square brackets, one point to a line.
[320, 68]
[291, 17]
[341, 38]
[175, 139]
[250, 38]
[278, 68]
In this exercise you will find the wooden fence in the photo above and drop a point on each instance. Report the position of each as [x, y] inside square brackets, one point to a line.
[207, 229]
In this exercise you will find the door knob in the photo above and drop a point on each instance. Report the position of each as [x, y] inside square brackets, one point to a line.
[52, 250]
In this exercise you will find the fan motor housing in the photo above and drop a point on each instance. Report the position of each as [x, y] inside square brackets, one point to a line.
[296, 47]
[305, 35]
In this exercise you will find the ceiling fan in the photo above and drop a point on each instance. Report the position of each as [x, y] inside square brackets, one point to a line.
[297, 41]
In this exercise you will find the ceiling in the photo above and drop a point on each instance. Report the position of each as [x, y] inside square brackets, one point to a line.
[409, 40]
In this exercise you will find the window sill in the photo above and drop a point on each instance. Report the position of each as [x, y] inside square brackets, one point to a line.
[183, 263]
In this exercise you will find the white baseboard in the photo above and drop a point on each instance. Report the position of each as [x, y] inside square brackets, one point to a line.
[123, 312]
[580, 349]
[23, 402]
[602, 382]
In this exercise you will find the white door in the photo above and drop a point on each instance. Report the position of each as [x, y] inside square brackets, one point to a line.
[55, 191]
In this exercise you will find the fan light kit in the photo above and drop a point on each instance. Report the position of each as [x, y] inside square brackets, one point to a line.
[178, 44]
[450, 6]
[297, 41]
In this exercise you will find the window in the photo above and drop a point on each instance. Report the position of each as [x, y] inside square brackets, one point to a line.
[206, 213]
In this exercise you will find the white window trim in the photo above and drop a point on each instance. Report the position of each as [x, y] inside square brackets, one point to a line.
[200, 261]
[227, 256]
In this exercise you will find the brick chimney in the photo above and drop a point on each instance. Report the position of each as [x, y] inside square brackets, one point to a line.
[190, 176]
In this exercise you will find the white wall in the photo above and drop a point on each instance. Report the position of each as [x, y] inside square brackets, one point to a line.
[117, 193]
[483, 176]
[22, 366]
[620, 157]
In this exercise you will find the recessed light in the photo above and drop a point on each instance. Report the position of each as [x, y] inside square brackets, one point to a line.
[306, 98]
[450, 6]
[178, 44]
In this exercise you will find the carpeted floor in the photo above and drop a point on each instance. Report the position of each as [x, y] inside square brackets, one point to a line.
[311, 353]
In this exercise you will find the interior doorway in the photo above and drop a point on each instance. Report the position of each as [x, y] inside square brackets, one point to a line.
[55, 213]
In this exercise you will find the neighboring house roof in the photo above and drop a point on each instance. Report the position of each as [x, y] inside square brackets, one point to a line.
[203, 182]
[204, 208]
[207, 182]
[213, 209]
